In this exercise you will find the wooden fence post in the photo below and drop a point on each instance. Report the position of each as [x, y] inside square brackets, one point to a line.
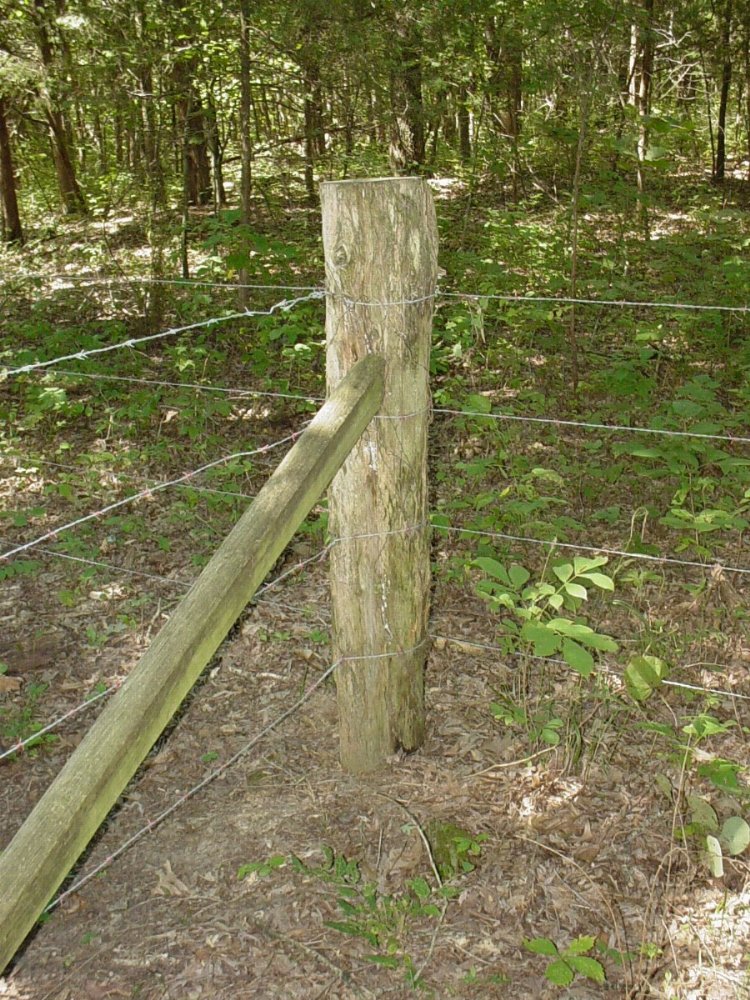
[71, 810]
[380, 242]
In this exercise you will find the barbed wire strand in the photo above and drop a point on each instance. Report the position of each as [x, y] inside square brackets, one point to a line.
[215, 773]
[142, 280]
[572, 300]
[118, 476]
[239, 392]
[142, 494]
[439, 292]
[22, 744]
[185, 586]
[593, 548]
[115, 568]
[594, 426]
[474, 644]
[284, 305]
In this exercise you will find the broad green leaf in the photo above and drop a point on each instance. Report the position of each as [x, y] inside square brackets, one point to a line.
[581, 945]
[603, 642]
[735, 835]
[588, 967]
[707, 725]
[566, 627]
[582, 633]
[723, 774]
[599, 580]
[544, 640]
[702, 813]
[577, 657]
[563, 572]
[559, 973]
[576, 590]
[643, 675]
[421, 888]
[518, 575]
[583, 564]
[714, 858]
[541, 946]
[493, 568]
[476, 404]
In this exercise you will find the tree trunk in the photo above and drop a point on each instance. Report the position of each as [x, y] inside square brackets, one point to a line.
[464, 126]
[408, 139]
[70, 191]
[13, 231]
[192, 126]
[309, 145]
[726, 79]
[644, 106]
[217, 155]
[380, 243]
[246, 141]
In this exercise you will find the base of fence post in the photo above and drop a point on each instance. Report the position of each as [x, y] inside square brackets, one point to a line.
[380, 242]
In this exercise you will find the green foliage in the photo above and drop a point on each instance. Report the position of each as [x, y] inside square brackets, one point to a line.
[572, 961]
[454, 849]
[382, 921]
[644, 675]
[730, 837]
[541, 725]
[19, 725]
[535, 625]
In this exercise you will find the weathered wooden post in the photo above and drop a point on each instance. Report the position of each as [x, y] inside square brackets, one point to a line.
[380, 242]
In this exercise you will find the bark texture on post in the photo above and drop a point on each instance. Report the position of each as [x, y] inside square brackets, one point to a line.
[380, 241]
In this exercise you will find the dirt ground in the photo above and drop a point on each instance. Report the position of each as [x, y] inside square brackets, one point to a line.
[571, 848]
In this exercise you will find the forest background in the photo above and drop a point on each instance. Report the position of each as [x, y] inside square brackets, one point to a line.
[579, 814]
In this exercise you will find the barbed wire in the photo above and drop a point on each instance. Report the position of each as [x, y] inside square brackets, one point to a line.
[439, 292]
[244, 750]
[573, 300]
[215, 773]
[148, 492]
[94, 280]
[451, 529]
[71, 713]
[257, 597]
[284, 305]
[557, 661]
[594, 426]
[239, 392]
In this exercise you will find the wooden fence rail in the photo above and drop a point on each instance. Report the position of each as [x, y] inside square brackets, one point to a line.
[69, 813]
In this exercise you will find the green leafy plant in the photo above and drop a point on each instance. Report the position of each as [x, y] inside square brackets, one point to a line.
[454, 849]
[643, 675]
[19, 725]
[574, 960]
[730, 837]
[379, 919]
[542, 725]
[535, 624]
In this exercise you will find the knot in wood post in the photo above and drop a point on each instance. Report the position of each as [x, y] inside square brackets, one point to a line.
[380, 242]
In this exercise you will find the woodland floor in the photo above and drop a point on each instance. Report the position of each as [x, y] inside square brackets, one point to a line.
[571, 849]
[575, 840]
